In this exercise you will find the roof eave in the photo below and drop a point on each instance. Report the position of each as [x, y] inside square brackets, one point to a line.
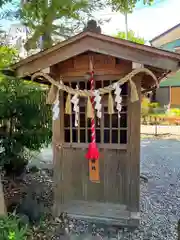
[102, 37]
[91, 40]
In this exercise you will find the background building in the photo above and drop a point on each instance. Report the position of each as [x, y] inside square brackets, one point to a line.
[169, 89]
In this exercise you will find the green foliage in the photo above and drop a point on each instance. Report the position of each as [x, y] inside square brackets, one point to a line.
[126, 6]
[130, 36]
[39, 16]
[148, 109]
[174, 112]
[11, 228]
[7, 56]
[53, 19]
[145, 106]
[3, 2]
[154, 107]
[25, 121]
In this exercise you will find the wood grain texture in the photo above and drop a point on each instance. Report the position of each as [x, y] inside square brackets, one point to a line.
[133, 152]
[75, 184]
[100, 63]
[117, 194]
[98, 43]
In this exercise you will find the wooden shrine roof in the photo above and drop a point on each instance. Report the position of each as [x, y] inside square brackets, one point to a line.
[157, 59]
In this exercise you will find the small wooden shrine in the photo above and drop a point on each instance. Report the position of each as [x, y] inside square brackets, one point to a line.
[96, 85]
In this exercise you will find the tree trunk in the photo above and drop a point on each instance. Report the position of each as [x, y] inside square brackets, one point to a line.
[2, 202]
[126, 25]
[46, 40]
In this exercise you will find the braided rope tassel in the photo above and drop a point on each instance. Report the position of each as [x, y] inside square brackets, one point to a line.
[93, 153]
[93, 132]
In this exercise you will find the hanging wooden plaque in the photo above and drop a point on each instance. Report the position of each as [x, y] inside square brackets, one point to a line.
[94, 175]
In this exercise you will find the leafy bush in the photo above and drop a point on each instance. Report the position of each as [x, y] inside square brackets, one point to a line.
[148, 107]
[11, 228]
[8, 55]
[25, 122]
[145, 106]
[131, 36]
[154, 107]
[174, 112]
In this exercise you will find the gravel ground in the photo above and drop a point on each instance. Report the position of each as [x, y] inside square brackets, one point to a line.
[160, 196]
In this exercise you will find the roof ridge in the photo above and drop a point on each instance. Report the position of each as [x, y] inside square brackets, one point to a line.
[122, 42]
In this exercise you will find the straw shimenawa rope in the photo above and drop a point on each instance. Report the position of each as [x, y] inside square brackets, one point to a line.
[102, 91]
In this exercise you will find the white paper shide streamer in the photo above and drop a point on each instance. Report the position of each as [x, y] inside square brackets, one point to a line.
[118, 98]
[56, 108]
[98, 105]
[75, 101]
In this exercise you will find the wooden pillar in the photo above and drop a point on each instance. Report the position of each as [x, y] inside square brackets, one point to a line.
[133, 151]
[57, 146]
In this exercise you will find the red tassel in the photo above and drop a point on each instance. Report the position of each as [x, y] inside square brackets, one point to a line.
[93, 152]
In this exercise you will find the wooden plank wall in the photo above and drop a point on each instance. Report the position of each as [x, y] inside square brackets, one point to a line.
[103, 65]
[76, 184]
[119, 169]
